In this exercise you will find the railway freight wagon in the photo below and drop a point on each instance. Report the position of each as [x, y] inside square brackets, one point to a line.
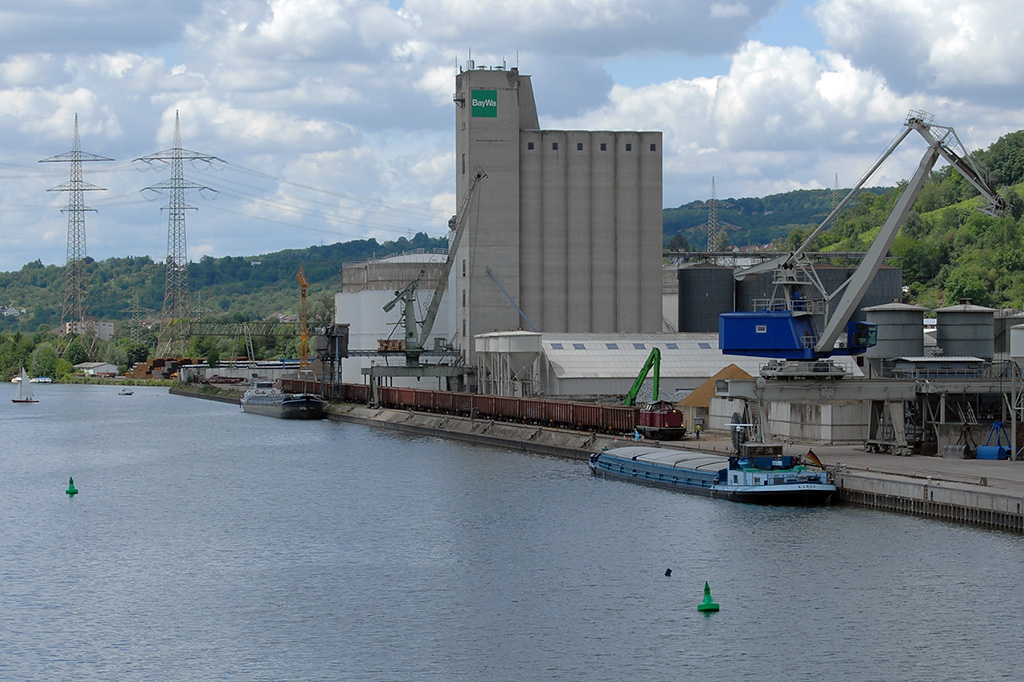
[615, 419]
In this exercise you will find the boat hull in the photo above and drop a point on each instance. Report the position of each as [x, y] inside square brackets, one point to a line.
[709, 475]
[692, 489]
[285, 406]
[801, 495]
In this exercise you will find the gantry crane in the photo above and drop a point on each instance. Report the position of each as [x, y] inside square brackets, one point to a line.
[785, 327]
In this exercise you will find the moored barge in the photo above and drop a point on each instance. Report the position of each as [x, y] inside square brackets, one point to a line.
[762, 476]
[268, 401]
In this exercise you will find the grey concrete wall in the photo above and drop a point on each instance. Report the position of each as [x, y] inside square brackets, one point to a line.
[572, 231]
[554, 284]
[603, 255]
[492, 238]
[651, 232]
[579, 217]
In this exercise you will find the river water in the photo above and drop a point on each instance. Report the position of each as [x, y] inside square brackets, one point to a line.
[208, 544]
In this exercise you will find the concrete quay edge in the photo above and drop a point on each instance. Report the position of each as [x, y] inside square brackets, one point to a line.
[979, 492]
[982, 493]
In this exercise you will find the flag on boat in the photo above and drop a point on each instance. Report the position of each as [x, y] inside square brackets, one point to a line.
[813, 458]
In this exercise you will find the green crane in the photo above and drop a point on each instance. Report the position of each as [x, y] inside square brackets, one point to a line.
[653, 361]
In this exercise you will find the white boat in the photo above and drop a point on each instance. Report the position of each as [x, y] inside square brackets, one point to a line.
[125, 391]
[25, 393]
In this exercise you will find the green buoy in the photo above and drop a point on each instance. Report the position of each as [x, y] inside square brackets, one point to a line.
[72, 490]
[708, 605]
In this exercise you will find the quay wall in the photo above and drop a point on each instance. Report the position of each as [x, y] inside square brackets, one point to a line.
[221, 395]
[949, 500]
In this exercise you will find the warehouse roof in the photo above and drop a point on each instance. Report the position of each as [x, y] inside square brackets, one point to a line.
[624, 355]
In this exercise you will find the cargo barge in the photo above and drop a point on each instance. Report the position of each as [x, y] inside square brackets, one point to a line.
[760, 476]
[266, 400]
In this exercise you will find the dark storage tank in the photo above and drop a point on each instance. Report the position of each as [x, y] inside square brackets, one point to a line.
[966, 330]
[886, 285]
[705, 290]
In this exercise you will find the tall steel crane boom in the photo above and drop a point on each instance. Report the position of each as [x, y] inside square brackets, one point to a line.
[942, 141]
[786, 329]
[303, 323]
[456, 225]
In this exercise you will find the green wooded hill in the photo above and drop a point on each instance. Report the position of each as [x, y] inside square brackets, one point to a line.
[747, 221]
[232, 288]
[947, 250]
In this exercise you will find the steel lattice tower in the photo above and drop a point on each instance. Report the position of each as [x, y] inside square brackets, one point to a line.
[75, 309]
[135, 325]
[714, 227]
[176, 305]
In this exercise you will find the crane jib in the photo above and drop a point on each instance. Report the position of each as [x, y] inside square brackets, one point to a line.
[785, 328]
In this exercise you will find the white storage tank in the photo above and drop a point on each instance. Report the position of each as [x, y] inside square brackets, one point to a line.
[966, 330]
[1017, 344]
[1005, 319]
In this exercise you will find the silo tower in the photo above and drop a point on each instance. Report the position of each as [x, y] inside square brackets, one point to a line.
[966, 330]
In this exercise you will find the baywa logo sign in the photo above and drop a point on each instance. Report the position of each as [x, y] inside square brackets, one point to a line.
[485, 103]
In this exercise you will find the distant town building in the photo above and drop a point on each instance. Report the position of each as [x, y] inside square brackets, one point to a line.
[97, 369]
[104, 331]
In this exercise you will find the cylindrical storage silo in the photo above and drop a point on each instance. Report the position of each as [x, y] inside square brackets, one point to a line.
[753, 289]
[966, 330]
[705, 290]
[1017, 344]
[887, 285]
[900, 330]
[1005, 319]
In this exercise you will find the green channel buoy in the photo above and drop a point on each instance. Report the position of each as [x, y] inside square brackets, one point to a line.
[708, 605]
[72, 490]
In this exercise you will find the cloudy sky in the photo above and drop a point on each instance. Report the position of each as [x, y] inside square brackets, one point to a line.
[333, 119]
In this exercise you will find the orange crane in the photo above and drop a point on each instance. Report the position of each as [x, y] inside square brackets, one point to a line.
[303, 330]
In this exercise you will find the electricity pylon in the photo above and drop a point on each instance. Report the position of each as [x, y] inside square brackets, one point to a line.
[135, 324]
[74, 312]
[716, 228]
[176, 308]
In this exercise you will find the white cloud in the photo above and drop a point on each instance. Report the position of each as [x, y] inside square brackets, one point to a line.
[731, 11]
[335, 116]
[948, 45]
[782, 118]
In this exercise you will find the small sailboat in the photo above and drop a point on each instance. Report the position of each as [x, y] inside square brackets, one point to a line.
[25, 393]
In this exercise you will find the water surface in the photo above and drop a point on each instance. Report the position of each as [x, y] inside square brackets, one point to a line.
[208, 544]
